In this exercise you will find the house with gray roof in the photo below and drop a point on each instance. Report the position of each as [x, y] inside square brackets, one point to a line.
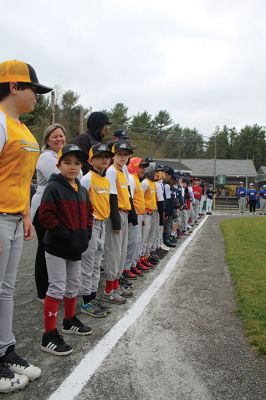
[261, 178]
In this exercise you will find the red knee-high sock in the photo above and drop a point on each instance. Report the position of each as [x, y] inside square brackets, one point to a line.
[70, 307]
[109, 286]
[116, 284]
[50, 310]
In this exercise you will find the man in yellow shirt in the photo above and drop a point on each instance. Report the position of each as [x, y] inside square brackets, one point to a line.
[19, 152]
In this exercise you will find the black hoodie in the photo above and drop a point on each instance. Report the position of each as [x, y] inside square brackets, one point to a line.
[92, 136]
[66, 214]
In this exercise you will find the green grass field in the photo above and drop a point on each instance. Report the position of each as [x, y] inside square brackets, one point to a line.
[245, 243]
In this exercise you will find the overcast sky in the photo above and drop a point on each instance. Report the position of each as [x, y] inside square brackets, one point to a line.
[204, 61]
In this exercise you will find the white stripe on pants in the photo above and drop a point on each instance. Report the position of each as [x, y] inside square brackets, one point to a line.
[11, 244]
[91, 259]
[63, 276]
[132, 245]
[115, 248]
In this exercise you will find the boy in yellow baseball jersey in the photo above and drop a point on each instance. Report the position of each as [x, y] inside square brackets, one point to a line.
[121, 204]
[19, 153]
[98, 186]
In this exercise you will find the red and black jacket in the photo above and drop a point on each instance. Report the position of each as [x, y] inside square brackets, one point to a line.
[67, 216]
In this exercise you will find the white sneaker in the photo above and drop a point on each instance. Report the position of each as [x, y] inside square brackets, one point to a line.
[20, 366]
[10, 382]
[165, 248]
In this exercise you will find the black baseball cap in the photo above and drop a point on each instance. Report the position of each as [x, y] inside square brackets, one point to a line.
[121, 134]
[169, 170]
[122, 146]
[72, 148]
[159, 167]
[99, 148]
[19, 71]
[144, 163]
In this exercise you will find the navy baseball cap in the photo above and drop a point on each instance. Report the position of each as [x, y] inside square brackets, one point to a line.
[121, 134]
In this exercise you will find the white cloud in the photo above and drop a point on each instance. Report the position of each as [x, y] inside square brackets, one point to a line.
[201, 60]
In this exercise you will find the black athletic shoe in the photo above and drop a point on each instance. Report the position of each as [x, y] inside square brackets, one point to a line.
[53, 342]
[153, 259]
[156, 255]
[75, 326]
[169, 244]
[125, 283]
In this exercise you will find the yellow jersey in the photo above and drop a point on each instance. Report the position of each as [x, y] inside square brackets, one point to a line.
[98, 187]
[18, 158]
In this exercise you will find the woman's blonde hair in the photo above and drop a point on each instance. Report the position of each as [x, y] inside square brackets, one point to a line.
[48, 131]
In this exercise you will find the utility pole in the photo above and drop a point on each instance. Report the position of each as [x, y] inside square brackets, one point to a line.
[81, 119]
[214, 163]
[52, 107]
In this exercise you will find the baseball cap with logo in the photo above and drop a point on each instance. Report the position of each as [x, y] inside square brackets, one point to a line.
[99, 148]
[71, 148]
[120, 134]
[19, 71]
[121, 146]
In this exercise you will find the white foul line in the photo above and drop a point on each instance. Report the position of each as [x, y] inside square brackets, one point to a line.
[82, 373]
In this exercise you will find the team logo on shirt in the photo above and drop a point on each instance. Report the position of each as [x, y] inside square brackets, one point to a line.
[101, 190]
[29, 146]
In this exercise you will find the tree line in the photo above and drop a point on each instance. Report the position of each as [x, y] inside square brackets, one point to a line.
[158, 136]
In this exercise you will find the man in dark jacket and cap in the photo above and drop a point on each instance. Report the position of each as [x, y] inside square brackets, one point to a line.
[97, 126]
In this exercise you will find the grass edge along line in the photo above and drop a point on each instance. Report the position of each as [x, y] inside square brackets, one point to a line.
[245, 245]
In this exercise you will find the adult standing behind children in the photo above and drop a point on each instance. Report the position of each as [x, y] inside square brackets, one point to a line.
[54, 139]
[19, 153]
[97, 128]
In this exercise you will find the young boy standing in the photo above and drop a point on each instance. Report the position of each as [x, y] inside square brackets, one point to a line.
[121, 205]
[66, 214]
[98, 187]
[19, 152]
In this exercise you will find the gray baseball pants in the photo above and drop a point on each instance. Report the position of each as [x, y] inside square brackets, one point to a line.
[11, 244]
[115, 248]
[91, 259]
[132, 245]
[262, 205]
[195, 209]
[184, 219]
[138, 252]
[145, 233]
[242, 204]
[63, 276]
[153, 231]
[202, 200]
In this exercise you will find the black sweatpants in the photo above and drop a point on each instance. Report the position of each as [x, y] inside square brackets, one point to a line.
[252, 205]
[41, 276]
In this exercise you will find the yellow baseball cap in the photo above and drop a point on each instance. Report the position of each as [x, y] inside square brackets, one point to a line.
[18, 71]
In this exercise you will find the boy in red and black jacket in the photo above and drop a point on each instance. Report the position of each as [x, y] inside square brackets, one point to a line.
[66, 214]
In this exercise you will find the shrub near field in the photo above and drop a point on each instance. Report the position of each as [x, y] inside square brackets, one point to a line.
[245, 243]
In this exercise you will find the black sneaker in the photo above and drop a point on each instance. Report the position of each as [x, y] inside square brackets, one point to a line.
[53, 342]
[124, 282]
[75, 326]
